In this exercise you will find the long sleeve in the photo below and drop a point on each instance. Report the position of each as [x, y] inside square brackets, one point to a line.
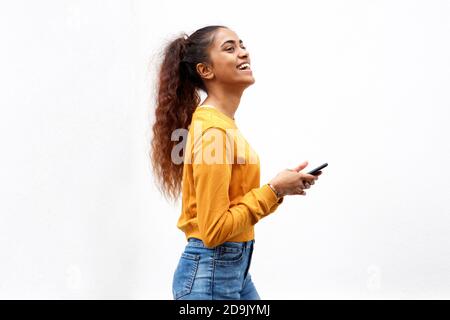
[275, 206]
[217, 219]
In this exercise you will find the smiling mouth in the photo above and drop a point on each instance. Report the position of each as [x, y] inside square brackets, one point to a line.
[244, 67]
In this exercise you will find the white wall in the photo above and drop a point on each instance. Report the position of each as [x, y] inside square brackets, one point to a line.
[362, 85]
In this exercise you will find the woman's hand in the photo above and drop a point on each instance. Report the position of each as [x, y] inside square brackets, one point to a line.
[292, 182]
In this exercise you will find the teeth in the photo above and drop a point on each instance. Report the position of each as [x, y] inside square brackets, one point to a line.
[243, 66]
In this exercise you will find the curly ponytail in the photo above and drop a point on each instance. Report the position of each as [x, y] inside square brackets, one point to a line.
[176, 100]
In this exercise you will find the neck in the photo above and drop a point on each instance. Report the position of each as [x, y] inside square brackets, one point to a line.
[226, 101]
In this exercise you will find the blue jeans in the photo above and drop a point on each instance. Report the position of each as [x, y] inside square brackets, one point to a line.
[219, 273]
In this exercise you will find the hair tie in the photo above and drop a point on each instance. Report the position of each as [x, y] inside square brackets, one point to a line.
[185, 40]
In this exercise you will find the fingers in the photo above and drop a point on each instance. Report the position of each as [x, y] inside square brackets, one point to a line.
[310, 177]
[301, 166]
[299, 190]
[306, 181]
[306, 184]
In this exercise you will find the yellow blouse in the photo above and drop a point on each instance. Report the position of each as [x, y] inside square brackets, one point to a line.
[221, 195]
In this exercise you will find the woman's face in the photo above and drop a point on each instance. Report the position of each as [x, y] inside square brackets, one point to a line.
[227, 53]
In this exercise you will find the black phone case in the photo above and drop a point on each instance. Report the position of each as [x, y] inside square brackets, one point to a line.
[316, 170]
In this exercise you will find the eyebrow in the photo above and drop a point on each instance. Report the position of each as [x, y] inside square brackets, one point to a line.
[229, 41]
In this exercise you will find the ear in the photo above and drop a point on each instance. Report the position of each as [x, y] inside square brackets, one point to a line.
[205, 71]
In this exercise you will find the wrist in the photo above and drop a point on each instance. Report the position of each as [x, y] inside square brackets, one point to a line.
[275, 190]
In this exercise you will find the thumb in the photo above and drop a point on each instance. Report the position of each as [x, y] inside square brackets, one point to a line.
[301, 166]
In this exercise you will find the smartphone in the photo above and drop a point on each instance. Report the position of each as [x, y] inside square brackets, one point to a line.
[316, 170]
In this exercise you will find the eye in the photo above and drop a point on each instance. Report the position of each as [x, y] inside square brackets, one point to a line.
[232, 48]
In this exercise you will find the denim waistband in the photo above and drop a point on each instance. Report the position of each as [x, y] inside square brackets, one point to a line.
[194, 242]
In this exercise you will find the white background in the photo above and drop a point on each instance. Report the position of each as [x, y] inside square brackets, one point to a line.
[362, 85]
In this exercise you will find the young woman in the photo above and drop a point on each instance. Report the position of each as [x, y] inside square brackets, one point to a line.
[221, 200]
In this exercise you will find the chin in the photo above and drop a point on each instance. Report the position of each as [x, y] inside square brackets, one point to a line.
[244, 83]
[249, 82]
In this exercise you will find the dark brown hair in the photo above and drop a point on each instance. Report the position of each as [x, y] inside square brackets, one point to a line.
[176, 100]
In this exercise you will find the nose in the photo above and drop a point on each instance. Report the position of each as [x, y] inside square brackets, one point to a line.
[243, 53]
